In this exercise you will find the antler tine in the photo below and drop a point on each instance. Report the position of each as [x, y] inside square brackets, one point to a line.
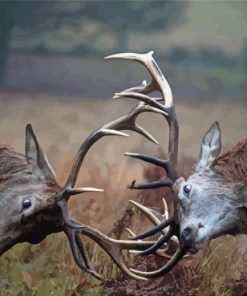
[141, 97]
[171, 174]
[159, 227]
[160, 221]
[85, 146]
[173, 230]
[158, 80]
[71, 228]
[160, 84]
[164, 269]
[160, 252]
[166, 212]
[152, 215]
[151, 185]
[111, 246]
[78, 250]
[115, 247]
[126, 122]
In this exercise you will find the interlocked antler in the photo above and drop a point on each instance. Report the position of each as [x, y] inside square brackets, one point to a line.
[111, 246]
[73, 229]
[158, 83]
[157, 219]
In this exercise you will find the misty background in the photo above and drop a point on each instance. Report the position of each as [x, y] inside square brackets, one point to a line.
[58, 47]
[54, 76]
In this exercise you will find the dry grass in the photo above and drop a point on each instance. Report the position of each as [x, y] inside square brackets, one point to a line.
[61, 124]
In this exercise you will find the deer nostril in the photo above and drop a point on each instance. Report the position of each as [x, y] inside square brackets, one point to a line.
[200, 225]
[186, 233]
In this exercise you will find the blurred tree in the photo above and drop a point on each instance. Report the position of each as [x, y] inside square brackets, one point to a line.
[12, 13]
[20, 20]
[31, 17]
[123, 17]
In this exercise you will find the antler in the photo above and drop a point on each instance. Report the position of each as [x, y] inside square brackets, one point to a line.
[73, 229]
[111, 246]
[160, 84]
[114, 247]
[158, 220]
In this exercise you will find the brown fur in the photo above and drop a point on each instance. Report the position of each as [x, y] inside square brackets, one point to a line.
[11, 162]
[15, 170]
[233, 163]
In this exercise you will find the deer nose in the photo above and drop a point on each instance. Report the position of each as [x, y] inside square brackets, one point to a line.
[187, 236]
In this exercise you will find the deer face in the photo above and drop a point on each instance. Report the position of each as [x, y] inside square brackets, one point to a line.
[206, 209]
[28, 211]
[27, 214]
[207, 203]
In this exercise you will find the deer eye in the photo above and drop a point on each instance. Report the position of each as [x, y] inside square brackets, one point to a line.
[187, 189]
[26, 203]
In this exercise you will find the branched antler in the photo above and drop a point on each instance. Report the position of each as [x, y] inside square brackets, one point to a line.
[165, 224]
[165, 104]
[158, 220]
[74, 229]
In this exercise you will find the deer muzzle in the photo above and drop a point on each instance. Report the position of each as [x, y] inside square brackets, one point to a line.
[187, 238]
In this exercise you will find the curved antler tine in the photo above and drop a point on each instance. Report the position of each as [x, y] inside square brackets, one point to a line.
[128, 122]
[160, 252]
[85, 256]
[151, 185]
[154, 160]
[171, 174]
[84, 149]
[141, 97]
[154, 70]
[154, 230]
[78, 249]
[144, 87]
[159, 243]
[114, 247]
[132, 234]
[164, 269]
[153, 216]
[166, 212]
[142, 131]
[160, 84]
[142, 107]
[78, 190]
[161, 225]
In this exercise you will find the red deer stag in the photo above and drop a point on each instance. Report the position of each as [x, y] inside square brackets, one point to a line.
[213, 201]
[33, 204]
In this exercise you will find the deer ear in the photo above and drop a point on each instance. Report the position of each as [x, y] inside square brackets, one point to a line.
[210, 147]
[36, 158]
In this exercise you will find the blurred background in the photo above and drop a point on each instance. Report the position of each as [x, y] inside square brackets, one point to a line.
[53, 75]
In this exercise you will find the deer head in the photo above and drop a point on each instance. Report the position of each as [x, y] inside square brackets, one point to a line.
[33, 204]
[27, 185]
[212, 201]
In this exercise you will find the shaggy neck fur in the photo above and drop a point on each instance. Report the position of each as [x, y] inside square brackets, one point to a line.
[233, 164]
[14, 170]
[11, 164]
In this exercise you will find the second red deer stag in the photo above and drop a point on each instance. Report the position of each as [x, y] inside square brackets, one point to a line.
[213, 201]
[210, 203]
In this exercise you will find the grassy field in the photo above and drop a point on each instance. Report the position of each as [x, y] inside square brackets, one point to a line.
[61, 124]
